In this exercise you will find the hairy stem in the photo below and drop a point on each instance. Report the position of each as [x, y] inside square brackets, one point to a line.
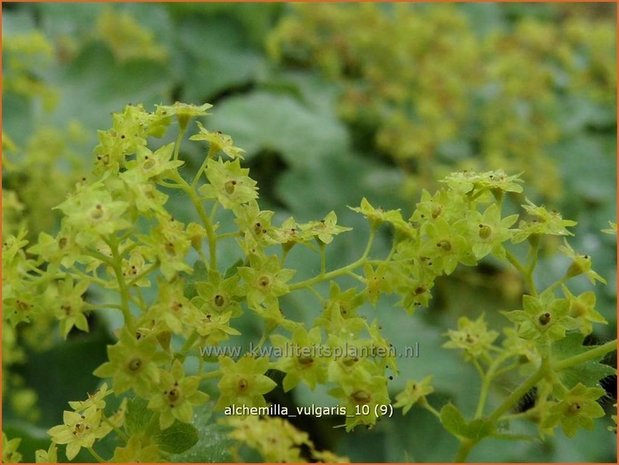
[209, 155]
[592, 354]
[210, 232]
[337, 272]
[115, 263]
[466, 445]
[527, 276]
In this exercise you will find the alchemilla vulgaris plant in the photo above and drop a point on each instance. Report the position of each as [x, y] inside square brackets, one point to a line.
[119, 234]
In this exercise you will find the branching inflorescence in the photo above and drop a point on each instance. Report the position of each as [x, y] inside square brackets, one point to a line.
[119, 235]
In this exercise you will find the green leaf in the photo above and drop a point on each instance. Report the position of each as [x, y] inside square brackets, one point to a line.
[479, 429]
[93, 85]
[232, 268]
[588, 373]
[177, 438]
[407, 438]
[200, 273]
[453, 421]
[56, 387]
[213, 443]
[216, 56]
[137, 416]
[263, 121]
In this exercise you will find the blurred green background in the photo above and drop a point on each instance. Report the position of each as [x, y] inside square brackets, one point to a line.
[331, 103]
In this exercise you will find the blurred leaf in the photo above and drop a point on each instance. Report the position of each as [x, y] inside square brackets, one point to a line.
[213, 443]
[64, 373]
[16, 22]
[453, 421]
[408, 437]
[19, 125]
[263, 121]
[94, 85]
[177, 438]
[68, 19]
[216, 57]
[341, 179]
[256, 20]
[588, 167]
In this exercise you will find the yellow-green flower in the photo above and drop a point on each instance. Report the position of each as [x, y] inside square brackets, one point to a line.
[414, 392]
[265, 280]
[543, 317]
[543, 221]
[132, 364]
[94, 400]
[577, 409]
[300, 360]
[10, 453]
[471, 336]
[139, 449]
[79, 430]
[582, 309]
[581, 264]
[244, 382]
[325, 229]
[178, 393]
[183, 111]
[218, 142]
[228, 183]
[47, 456]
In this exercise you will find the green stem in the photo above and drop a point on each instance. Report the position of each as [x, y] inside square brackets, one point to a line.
[425, 404]
[99, 256]
[188, 344]
[591, 354]
[486, 382]
[465, 448]
[147, 271]
[516, 395]
[211, 374]
[97, 457]
[88, 306]
[483, 396]
[517, 416]
[115, 263]
[179, 141]
[528, 276]
[533, 254]
[209, 155]
[117, 430]
[210, 232]
[558, 283]
[153, 425]
[507, 368]
[339, 271]
[354, 275]
[81, 275]
[229, 235]
[546, 368]
[169, 185]
[514, 261]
